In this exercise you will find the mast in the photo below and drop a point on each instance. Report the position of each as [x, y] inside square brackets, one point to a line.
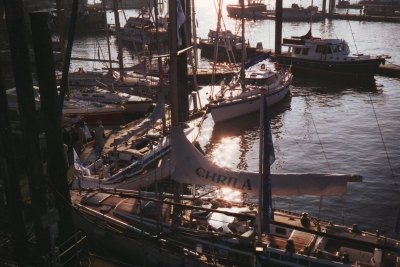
[216, 43]
[118, 29]
[278, 27]
[108, 40]
[243, 47]
[260, 168]
[311, 12]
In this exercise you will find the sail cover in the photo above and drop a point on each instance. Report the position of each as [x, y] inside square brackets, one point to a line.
[256, 60]
[147, 122]
[191, 167]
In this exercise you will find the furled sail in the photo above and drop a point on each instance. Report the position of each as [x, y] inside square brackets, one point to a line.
[191, 167]
[150, 120]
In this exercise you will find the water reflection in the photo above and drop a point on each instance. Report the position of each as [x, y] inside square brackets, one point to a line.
[235, 144]
[334, 85]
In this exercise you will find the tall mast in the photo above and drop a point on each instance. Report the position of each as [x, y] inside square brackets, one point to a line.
[108, 40]
[311, 12]
[260, 164]
[118, 29]
[243, 46]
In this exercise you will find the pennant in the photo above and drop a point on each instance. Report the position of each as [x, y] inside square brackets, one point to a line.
[180, 18]
[79, 165]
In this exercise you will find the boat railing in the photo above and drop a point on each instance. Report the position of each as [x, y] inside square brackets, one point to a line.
[72, 250]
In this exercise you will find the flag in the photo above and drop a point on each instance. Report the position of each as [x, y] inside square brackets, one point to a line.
[79, 166]
[180, 18]
[254, 16]
[98, 53]
[268, 159]
[197, 23]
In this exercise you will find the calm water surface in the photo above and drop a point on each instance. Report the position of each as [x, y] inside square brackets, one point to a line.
[324, 126]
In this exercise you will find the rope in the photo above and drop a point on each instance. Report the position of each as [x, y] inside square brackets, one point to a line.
[320, 143]
[397, 65]
[384, 145]
[299, 145]
[352, 34]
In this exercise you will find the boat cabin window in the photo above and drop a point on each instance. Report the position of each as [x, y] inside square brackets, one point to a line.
[297, 50]
[85, 95]
[281, 231]
[304, 262]
[260, 82]
[98, 96]
[305, 51]
[323, 49]
[274, 255]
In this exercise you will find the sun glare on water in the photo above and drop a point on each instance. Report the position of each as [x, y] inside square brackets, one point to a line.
[224, 154]
[230, 195]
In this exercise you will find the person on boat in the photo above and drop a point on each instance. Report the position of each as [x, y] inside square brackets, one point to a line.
[99, 137]
[75, 119]
[81, 138]
[75, 139]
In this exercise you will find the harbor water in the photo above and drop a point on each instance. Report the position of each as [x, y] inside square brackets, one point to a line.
[323, 126]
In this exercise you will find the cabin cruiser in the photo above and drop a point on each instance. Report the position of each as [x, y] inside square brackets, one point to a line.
[324, 55]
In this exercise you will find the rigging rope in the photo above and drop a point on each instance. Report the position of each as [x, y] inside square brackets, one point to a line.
[321, 143]
[352, 34]
[384, 145]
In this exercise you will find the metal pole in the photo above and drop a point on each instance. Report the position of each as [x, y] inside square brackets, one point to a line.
[260, 167]
[26, 102]
[64, 79]
[278, 27]
[108, 41]
[119, 41]
[242, 73]
[41, 37]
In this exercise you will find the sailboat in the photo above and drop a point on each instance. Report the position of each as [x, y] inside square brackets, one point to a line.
[89, 111]
[131, 103]
[154, 229]
[210, 231]
[242, 95]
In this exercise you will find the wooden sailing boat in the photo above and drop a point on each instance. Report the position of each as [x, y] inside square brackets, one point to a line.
[154, 229]
[243, 95]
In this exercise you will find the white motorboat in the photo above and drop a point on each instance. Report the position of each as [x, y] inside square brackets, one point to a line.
[132, 84]
[132, 103]
[228, 43]
[326, 56]
[142, 30]
[89, 111]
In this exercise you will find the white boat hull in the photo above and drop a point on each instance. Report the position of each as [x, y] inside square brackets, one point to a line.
[237, 108]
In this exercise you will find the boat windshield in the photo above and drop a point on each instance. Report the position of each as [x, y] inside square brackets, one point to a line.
[261, 82]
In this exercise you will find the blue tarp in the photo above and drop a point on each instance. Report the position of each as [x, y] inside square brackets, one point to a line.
[256, 60]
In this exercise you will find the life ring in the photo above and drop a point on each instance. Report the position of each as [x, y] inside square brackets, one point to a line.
[262, 66]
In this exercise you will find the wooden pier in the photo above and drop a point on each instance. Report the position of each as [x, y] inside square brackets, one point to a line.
[389, 70]
[363, 18]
